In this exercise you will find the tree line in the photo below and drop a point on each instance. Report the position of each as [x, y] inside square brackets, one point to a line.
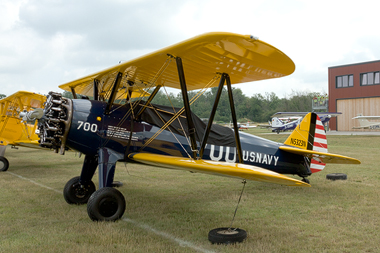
[257, 108]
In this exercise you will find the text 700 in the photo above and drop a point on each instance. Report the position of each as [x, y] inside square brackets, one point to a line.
[87, 126]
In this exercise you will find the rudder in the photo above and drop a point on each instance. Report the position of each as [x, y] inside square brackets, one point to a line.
[310, 135]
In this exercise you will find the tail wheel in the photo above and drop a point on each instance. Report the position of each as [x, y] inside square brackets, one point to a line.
[4, 164]
[227, 235]
[106, 204]
[77, 193]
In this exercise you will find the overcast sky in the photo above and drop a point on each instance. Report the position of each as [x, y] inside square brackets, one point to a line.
[45, 43]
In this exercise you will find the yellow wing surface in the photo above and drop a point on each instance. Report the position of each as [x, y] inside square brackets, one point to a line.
[323, 156]
[243, 57]
[12, 130]
[236, 170]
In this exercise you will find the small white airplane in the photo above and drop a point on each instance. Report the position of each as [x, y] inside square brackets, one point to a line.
[245, 126]
[366, 124]
[278, 125]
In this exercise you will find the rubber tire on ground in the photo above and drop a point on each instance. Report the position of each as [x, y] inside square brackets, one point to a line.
[222, 236]
[4, 163]
[76, 193]
[106, 204]
[336, 176]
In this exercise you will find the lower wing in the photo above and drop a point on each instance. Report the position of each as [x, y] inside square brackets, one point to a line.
[235, 170]
[27, 143]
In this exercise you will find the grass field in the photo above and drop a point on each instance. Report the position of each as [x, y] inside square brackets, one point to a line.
[173, 211]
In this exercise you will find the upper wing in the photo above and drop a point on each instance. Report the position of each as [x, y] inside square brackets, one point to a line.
[22, 99]
[243, 57]
[236, 170]
[323, 156]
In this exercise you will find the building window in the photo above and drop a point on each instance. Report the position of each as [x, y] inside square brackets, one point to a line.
[370, 78]
[345, 81]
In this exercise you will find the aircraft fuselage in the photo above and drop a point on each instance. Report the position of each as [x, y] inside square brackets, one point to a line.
[91, 129]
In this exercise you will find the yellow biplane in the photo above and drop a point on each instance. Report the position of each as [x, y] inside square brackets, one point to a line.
[17, 114]
[136, 130]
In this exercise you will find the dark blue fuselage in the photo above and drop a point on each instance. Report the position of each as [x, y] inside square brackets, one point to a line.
[91, 129]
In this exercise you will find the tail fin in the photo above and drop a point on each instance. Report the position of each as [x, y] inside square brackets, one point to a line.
[310, 135]
[276, 122]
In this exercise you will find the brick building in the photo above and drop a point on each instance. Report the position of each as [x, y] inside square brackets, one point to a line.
[354, 89]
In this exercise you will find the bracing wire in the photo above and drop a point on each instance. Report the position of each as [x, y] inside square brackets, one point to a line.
[180, 111]
[241, 194]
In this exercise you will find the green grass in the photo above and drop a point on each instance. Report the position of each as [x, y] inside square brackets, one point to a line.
[164, 205]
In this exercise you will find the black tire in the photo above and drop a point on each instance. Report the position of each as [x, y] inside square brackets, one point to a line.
[227, 235]
[106, 204]
[4, 164]
[336, 176]
[77, 193]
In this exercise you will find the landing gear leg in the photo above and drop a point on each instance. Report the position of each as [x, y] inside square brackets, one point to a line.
[107, 203]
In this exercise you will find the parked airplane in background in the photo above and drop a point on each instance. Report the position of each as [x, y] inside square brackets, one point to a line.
[14, 130]
[294, 118]
[139, 131]
[366, 124]
[245, 126]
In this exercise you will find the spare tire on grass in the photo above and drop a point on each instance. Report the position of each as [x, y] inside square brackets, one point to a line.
[336, 176]
[227, 235]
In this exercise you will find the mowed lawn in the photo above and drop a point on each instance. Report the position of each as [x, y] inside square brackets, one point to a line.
[173, 211]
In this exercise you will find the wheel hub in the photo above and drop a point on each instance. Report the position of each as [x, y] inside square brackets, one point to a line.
[228, 232]
[108, 207]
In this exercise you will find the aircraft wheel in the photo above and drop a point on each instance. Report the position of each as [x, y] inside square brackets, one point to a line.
[106, 204]
[227, 235]
[77, 193]
[4, 164]
[306, 180]
[336, 176]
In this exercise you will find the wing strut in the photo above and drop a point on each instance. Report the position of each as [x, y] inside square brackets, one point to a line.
[189, 118]
[225, 78]
[96, 89]
[212, 114]
[115, 87]
[155, 91]
[73, 92]
[233, 114]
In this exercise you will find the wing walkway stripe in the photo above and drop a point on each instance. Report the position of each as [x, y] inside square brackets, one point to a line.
[181, 242]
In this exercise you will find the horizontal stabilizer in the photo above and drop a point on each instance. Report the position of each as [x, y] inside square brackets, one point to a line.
[323, 156]
[235, 170]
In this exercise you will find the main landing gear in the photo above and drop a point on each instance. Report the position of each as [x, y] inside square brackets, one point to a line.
[105, 204]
